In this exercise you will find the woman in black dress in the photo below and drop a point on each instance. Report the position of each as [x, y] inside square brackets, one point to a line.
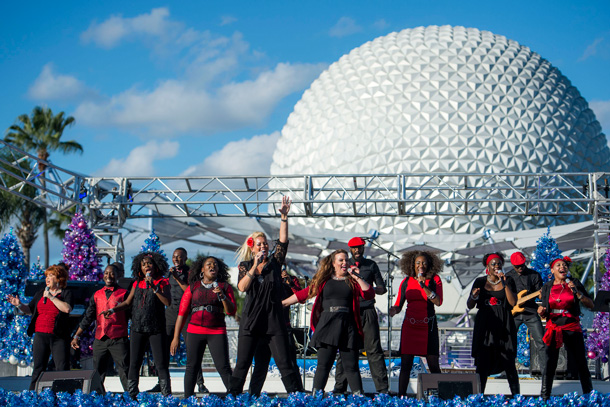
[561, 299]
[335, 318]
[263, 320]
[50, 309]
[149, 296]
[494, 338]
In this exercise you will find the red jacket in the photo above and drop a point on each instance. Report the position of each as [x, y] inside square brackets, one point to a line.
[317, 306]
[115, 326]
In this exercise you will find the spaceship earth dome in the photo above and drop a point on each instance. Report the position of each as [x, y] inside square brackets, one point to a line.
[440, 99]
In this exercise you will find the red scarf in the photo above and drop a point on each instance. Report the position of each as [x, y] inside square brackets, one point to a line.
[557, 331]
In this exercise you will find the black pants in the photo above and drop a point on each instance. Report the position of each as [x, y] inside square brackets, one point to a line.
[262, 357]
[532, 321]
[326, 357]
[169, 330]
[44, 346]
[139, 342]
[374, 354]
[105, 351]
[278, 344]
[195, 347]
[406, 364]
[575, 348]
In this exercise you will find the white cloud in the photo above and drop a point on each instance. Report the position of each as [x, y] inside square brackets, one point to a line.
[601, 108]
[178, 106]
[592, 49]
[112, 31]
[52, 86]
[344, 27]
[381, 24]
[251, 156]
[140, 161]
[226, 20]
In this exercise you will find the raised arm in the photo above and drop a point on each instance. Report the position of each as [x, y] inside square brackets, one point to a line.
[284, 209]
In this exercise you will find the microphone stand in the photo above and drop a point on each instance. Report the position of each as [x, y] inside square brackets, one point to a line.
[388, 283]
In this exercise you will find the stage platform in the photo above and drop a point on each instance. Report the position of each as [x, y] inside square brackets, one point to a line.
[273, 385]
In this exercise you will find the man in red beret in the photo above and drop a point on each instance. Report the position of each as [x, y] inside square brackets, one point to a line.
[528, 282]
[369, 272]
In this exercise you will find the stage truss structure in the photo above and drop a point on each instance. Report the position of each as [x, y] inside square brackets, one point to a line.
[110, 201]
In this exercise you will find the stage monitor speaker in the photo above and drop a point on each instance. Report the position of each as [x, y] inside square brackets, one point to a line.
[71, 380]
[447, 385]
[536, 362]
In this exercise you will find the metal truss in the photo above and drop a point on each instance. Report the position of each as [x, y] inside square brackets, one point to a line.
[111, 201]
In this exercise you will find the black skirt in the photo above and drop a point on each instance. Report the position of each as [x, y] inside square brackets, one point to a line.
[337, 329]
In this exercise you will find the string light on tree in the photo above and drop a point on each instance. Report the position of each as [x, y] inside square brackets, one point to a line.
[546, 251]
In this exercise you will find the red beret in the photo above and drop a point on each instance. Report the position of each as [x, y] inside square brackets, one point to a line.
[355, 242]
[517, 259]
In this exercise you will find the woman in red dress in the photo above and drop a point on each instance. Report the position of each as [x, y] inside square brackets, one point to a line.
[561, 298]
[422, 290]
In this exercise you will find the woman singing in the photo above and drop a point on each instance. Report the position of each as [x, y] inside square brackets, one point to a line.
[335, 318]
[561, 299]
[422, 289]
[260, 277]
[148, 298]
[50, 309]
[208, 298]
[494, 338]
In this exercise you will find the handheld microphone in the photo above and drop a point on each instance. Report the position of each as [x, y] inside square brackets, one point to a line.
[214, 285]
[44, 300]
[147, 275]
[355, 274]
[568, 279]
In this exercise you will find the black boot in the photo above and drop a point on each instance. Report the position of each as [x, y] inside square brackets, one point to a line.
[133, 389]
[547, 385]
[166, 387]
[292, 382]
[237, 386]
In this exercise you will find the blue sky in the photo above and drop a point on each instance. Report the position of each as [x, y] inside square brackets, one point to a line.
[205, 87]
[195, 87]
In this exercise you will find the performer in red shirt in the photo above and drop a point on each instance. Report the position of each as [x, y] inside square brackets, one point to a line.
[335, 318]
[561, 298]
[50, 309]
[148, 298]
[208, 298]
[111, 336]
[422, 290]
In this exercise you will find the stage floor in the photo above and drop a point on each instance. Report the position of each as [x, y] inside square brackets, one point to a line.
[273, 385]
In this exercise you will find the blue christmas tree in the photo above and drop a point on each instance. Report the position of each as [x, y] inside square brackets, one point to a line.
[546, 251]
[16, 345]
[153, 244]
[36, 272]
[523, 348]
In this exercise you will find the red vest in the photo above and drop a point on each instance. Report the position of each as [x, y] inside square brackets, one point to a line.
[114, 326]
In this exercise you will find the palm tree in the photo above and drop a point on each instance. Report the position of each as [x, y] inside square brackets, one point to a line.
[41, 133]
[29, 214]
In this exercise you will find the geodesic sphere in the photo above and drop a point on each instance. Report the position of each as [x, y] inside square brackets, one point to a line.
[440, 100]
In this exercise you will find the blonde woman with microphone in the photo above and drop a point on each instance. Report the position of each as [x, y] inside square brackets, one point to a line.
[262, 319]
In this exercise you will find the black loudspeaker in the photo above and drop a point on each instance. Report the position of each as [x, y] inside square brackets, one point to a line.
[69, 381]
[536, 362]
[447, 385]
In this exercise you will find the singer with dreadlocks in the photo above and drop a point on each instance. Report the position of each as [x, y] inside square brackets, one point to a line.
[149, 296]
[561, 298]
[208, 298]
[335, 317]
[263, 320]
